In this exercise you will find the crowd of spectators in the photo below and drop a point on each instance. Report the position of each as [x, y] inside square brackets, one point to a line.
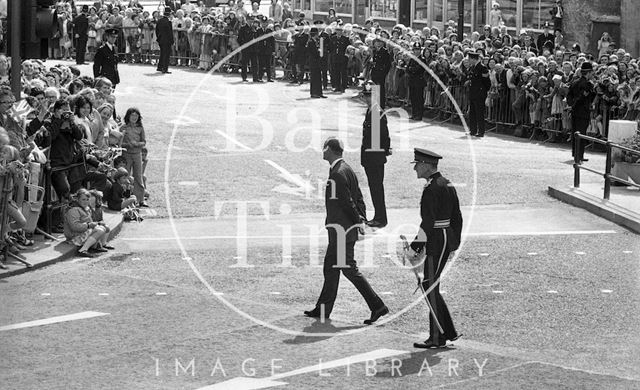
[65, 133]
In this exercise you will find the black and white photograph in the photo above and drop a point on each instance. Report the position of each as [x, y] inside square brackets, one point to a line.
[319, 194]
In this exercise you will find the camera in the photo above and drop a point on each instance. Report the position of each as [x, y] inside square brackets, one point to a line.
[66, 115]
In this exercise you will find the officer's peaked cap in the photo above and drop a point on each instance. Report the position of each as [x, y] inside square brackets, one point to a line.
[424, 155]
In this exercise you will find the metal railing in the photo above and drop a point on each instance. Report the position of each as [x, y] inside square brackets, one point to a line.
[608, 177]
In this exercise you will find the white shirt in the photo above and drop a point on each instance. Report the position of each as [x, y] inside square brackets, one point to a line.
[333, 164]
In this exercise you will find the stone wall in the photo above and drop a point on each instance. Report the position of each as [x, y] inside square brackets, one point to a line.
[579, 15]
[630, 26]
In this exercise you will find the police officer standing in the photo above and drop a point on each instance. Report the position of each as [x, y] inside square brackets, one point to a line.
[266, 49]
[380, 65]
[324, 39]
[245, 35]
[338, 50]
[376, 146]
[81, 30]
[164, 36]
[439, 235]
[105, 62]
[315, 68]
[579, 97]
[415, 73]
[478, 84]
[300, 51]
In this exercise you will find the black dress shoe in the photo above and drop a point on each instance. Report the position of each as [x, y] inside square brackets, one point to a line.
[108, 247]
[315, 96]
[427, 344]
[86, 254]
[455, 337]
[376, 224]
[315, 313]
[270, 80]
[166, 72]
[479, 135]
[376, 314]
[98, 250]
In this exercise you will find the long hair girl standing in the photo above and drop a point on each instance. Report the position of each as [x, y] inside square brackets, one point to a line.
[133, 141]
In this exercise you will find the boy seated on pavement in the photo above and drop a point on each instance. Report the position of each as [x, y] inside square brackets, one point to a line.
[119, 196]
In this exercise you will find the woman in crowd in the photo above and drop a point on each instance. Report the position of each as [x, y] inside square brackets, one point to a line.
[81, 230]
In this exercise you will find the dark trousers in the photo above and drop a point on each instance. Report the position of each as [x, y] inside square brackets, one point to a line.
[81, 49]
[339, 75]
[375, 177]
[163, 61]
[60, 183]
[315, 86]
[581, 125]
[434, 264]
[351, 272]
[265, 66]
[249, 59]
[416, 95]
[383, 94]
[476, 116]
[324, 70]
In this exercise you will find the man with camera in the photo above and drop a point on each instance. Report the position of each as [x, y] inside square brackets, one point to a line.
[63, 133]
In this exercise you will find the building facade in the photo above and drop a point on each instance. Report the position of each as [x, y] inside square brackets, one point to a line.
[583, 22]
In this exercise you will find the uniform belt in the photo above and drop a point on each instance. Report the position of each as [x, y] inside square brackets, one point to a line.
[442, 224]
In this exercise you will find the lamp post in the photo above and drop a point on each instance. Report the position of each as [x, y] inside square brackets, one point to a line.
[460, 20]
[16, 38]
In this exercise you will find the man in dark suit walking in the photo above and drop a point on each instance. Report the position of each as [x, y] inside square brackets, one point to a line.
[345, 214]
[105, 62]
[164, 36]
[579, 98]
[81, 29]
[439, 235]
[478, 84]
[376, 146]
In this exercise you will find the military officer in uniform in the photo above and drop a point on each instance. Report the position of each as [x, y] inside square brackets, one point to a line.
[266, 49]
[579, 98]
[380, 65]
[376, 146]
[415, 73]
[105, 62]
[478, 84]
[164, 36]
[345, 211]
[315, 68]
[439, 235]
[81, 31]
[338, 51]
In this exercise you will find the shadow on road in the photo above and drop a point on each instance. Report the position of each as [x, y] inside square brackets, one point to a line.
[319, 327]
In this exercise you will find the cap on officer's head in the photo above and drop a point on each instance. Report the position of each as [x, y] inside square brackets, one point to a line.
[368, 87]
[85, 8]
[167, 11]
[586, 66]
[426, 156]
[416, 45]
[473, 55]
[301, 15]
[111, 31]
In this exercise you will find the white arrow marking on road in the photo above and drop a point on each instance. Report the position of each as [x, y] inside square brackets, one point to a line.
[244, 383]
[303, 186]
[53, 320]
[235, 141]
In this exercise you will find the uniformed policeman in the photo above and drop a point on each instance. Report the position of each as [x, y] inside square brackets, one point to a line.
[415, 73]
[380, 65]
[267, 47]
[323, 41]
[579, 97]
[478, 84]
[315, 68]
[338, 52]
[105, 62]
[376, 146]
[439, 235]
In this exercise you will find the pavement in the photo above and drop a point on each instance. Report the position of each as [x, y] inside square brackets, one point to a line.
[545, 293]
[47, 251]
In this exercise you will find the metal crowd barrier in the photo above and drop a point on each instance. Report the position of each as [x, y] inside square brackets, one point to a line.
[608, 177]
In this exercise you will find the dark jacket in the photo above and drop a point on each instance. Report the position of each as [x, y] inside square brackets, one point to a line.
[338, 48]
[313, 53]
[439, 203]
[381, 64]
[581, 94]
[81, 26]
[245, 35]
[415, 71]
[105, 64]
[480, 82]
[267, 46]
[300, 47]
[545, 41]
[377, 153]
[164, 32]
[343, 201]
[63, 141]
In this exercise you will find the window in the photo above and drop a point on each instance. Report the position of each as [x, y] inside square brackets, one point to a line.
[340, 6]
[437, 10]
[535, 13]
[323, 5]
[452, 11]
[384, 9]
[508, 9]
[422, 7]
[301, 5]
[481, 12]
